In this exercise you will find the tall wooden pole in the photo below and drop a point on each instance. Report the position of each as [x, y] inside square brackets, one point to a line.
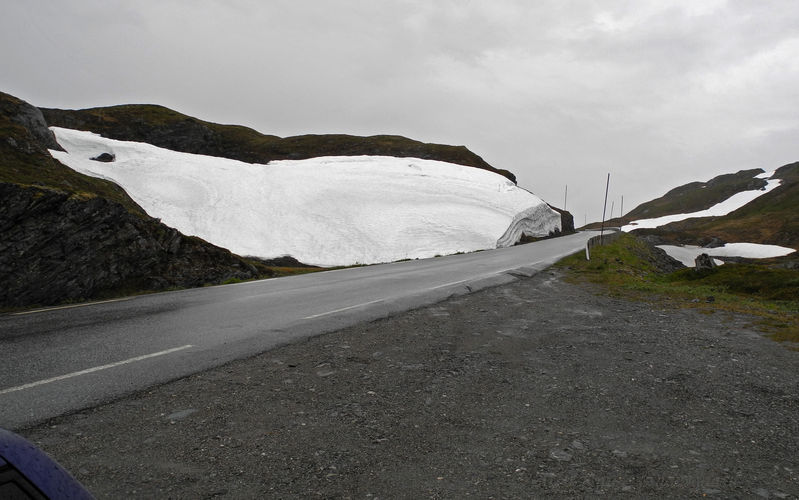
[604, 207]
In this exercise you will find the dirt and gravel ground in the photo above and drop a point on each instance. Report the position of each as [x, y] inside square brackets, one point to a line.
[539, 388]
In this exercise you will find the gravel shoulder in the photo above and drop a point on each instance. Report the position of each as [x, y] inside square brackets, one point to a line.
[538, 388]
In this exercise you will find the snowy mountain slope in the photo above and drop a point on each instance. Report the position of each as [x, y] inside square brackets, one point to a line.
[326, 211]
[747, 206]
[724, 207]
[758, 212]
[700, 195]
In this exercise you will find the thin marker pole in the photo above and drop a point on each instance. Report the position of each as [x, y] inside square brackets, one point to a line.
[604, 207]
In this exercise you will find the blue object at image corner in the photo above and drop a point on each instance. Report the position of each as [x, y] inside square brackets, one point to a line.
[26, 472]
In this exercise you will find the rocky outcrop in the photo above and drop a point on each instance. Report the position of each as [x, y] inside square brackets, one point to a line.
[56, 247]
[704, 262]
[29, 118]
[664, 262]
[566, 220]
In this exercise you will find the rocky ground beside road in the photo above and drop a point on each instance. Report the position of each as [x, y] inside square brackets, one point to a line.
[539, 388]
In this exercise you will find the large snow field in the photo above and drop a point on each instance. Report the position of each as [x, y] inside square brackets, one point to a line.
[729, 205]
[325, 211]
[687, 254]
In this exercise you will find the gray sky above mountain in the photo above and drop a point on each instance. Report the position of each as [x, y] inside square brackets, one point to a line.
[655, 92]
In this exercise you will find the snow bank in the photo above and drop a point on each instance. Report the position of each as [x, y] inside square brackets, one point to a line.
[533, 221]
[325, 211]
[731, 204]
[688, 254]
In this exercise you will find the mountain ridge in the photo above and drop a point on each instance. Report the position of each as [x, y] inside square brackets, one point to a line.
[169, 129]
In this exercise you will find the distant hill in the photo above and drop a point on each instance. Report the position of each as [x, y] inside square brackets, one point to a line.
[772, 218]
[169, 129]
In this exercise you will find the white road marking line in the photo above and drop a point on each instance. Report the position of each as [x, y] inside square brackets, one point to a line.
[92, 370]
[69, 306]
[374, 302]
[449, 284]
[343, 309]
[431, 288]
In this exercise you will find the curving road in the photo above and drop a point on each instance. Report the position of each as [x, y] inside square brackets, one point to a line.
[58, 360]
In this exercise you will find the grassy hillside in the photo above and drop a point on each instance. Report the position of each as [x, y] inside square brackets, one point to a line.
[166, 128]
[629, 268]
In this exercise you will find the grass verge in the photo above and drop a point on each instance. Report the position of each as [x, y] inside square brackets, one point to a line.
[629, 268]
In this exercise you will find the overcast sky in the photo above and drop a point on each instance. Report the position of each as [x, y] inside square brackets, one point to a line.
[655, 92]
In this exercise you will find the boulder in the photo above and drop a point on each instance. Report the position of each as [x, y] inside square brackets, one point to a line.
[704, 262]
[104, 157]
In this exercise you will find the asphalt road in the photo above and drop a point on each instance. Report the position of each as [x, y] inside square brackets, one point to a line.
[59, 360]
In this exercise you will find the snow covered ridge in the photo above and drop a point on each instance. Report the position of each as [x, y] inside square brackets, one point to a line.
[325, 211]
[729, 205]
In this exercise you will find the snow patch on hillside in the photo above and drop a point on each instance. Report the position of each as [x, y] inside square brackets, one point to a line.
[727, 206]
[326, 211]
[687, 254]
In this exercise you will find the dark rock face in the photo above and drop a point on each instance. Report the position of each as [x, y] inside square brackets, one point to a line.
[104, 157]
[566, 220]
[31, 118]
[704, 262]
[55, 248]
[664, 262]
